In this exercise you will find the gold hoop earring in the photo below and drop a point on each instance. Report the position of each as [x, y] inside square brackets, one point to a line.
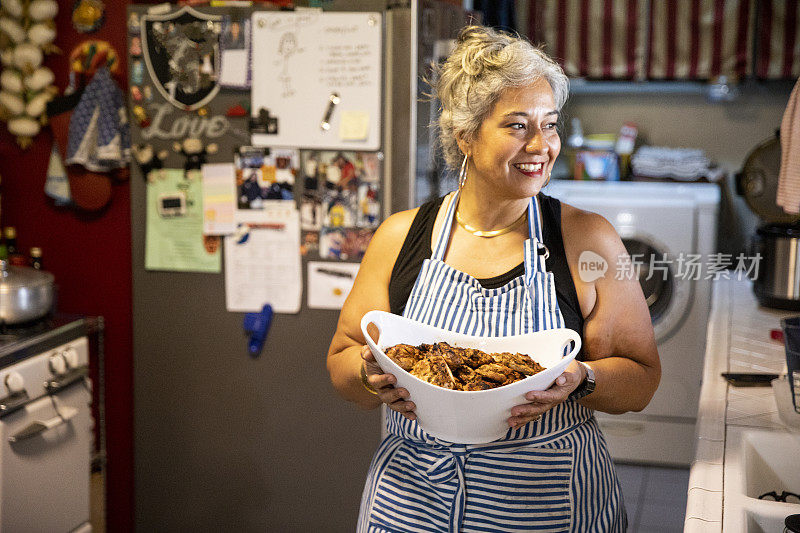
[462, 174]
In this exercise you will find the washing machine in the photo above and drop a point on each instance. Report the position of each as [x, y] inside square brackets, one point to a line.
[665, 227]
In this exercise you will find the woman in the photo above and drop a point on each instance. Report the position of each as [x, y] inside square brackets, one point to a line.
[494, 272]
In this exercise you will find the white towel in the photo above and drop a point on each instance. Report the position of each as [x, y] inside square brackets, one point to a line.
[677, 163]
[788, 196]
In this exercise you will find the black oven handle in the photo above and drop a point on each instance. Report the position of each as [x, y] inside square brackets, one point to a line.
[37, 427]
[13, 402]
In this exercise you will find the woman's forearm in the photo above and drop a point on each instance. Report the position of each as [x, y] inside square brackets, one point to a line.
[622, 385]
[345, 371]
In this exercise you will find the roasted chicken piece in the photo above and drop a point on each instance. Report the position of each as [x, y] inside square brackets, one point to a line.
[519, 362]
[513, 378]
[404, 355]
[435, 371]
[470, 380]
[494, 372]
[478, 384]
[464, 374]
[453, 356]
[475, 358]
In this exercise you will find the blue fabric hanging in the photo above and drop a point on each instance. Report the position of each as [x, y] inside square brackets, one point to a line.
[99, 133]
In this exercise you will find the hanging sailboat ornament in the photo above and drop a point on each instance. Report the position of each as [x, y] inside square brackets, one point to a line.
[181, 52]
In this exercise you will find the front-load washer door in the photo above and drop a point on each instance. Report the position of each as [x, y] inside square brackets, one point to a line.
[660, 236]
[666, 292]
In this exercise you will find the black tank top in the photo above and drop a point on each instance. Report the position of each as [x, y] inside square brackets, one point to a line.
[417, 247]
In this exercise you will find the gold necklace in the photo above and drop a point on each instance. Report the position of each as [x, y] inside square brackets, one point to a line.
[491, 233]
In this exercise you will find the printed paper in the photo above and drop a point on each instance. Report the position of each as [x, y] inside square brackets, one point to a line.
[174, 237]
[330, 283]
[262, 261]
[219, 198]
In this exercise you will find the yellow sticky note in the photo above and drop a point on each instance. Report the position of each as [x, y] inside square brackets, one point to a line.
[354, 126]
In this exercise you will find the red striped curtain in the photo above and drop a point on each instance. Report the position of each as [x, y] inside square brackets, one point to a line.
[646, 39]
[700, 39]
[598, 39]
[777, 44]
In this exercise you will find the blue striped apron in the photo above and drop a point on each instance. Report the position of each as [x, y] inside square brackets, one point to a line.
[554, 474]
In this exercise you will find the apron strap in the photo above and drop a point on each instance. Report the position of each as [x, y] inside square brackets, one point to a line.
[535, 219]
[535, 250]
[444, 233]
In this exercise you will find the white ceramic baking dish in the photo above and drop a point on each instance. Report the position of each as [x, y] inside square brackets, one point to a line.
[469, 417]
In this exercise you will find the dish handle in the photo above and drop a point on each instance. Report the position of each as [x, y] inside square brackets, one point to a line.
[372, 317]
[565, 336]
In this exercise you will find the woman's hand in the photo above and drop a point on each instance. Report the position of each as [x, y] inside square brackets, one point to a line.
[544, 400]
[396, 399]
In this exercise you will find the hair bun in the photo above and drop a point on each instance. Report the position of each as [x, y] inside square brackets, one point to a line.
[480, 50]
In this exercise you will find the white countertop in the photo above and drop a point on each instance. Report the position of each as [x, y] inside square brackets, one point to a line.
[738, 341]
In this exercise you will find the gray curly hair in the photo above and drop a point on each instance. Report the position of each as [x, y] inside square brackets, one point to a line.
[483, 64]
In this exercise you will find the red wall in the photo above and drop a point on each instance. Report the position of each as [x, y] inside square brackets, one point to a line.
[90, 256]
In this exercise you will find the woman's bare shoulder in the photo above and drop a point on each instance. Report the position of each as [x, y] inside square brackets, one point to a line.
[388, 239]
[584, 230]
[371, 287]
[395, 228]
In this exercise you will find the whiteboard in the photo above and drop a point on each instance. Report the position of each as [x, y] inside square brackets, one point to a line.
[311, 66]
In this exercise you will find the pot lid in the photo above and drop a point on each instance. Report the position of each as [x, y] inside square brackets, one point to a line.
[759, 182]
[17, 277]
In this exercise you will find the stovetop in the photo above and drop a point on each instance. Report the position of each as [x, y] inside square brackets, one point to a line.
[25, 340]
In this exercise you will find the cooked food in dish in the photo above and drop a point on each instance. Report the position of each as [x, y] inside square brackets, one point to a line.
[464, 369]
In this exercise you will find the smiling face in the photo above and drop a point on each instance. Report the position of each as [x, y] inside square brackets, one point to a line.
[516, 146]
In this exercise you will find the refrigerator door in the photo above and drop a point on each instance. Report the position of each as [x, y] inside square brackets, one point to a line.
[225, 441]
[229, 442]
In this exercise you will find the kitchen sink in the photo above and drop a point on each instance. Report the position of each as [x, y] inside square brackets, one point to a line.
[771, 462]
[757, 462]
[767, 519]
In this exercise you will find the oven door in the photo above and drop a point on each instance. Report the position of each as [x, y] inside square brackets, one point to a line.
[45, 463]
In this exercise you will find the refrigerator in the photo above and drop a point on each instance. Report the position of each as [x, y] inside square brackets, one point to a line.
[227, 441]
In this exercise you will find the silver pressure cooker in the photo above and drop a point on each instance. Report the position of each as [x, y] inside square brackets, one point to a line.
[778, 239]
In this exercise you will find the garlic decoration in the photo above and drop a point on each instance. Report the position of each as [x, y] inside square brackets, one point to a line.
[43, 9]
[27, 56]
[13, 29]
[11, 81]
[41, 34]
[12, 103]
[41, 78]
[37, 105]
[24, 127]
[27, 32]
[7, 57]
[12, 7]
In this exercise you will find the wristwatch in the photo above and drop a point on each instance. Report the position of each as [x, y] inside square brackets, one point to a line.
[587, 385]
